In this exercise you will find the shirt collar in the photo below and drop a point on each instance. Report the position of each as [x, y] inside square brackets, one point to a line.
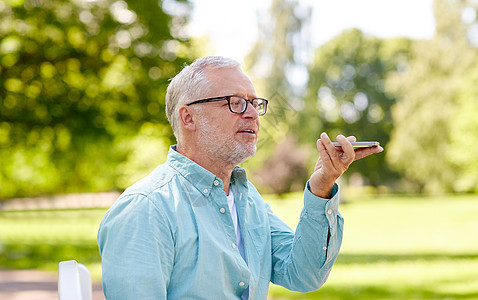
[200, 178]
[239, 175]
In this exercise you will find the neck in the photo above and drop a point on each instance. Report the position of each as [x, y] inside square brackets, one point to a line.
[215, 165]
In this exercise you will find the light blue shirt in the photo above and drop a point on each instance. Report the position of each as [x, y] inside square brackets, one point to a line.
[171, 236]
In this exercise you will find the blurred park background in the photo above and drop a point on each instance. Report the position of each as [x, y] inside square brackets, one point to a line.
[82, 85]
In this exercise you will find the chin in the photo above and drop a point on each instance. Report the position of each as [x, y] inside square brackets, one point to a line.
[241, 154]
[250, 152]
[253, 150]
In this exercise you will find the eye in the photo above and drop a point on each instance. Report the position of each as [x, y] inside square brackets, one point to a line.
[236, 101]
[256, 103]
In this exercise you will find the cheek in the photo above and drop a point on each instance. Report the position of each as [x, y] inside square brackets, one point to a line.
[223, 126]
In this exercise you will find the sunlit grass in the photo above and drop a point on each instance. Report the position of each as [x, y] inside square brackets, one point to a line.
[51, 226]
[41, 239]
[400, 248]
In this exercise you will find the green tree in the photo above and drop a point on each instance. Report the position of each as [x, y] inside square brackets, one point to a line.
[277, 54]
[463, 130]
[81, 83]
[274, 64]
[346, 94]
[428, 94]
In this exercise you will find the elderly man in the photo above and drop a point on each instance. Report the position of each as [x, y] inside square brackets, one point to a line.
[196, 228]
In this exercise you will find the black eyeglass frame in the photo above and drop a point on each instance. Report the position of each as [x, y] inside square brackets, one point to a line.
[228, 98]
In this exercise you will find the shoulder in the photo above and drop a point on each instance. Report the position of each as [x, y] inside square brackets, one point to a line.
[156, 180]
[150, 194]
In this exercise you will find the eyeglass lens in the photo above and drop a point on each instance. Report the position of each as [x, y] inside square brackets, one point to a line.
[239, 105]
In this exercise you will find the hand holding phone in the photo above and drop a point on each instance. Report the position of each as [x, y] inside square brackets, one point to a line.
[360, 144]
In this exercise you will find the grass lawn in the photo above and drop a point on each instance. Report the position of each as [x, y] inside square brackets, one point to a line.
[393, 247]
[400, 248]
[41, 239]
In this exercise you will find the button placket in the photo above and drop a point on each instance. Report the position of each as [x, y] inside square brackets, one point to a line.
[222, 209]
[331, 213]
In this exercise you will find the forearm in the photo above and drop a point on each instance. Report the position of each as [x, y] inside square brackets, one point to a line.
[303, 262]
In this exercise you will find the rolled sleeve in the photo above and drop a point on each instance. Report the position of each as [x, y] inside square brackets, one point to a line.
[312, 253]
[323, 209]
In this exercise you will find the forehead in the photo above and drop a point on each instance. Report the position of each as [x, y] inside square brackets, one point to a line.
[229, 81]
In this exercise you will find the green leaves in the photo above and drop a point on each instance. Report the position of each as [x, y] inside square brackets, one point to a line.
[347, 91]
[88, 72]
[431, 145]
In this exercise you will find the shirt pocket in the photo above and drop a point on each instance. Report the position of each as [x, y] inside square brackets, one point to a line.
[260, 259]
[259, 238]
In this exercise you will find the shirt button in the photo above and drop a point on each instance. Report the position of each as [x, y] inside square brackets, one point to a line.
[325, 248]
[329, 212]
[216, 182]
[241, 284]
[222, 210]
[205, 191]
[233, 246]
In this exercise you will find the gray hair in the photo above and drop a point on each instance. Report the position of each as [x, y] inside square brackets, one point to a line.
[190, 84]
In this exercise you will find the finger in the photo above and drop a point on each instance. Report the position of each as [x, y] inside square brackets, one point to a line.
[331, 150]
[324, 159]
[364, 152]
[350, 139]
[348, 151]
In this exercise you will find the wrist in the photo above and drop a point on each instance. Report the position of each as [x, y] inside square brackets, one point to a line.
[322, 192]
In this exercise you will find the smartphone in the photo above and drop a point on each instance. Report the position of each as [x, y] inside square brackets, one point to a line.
[360, 144]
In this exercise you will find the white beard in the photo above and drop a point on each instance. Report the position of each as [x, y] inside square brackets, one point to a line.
[215, 143]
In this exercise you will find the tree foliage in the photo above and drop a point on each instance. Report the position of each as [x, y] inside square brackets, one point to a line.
[81, 83]
[273, 64]
[425, 117]
[463, 134]
[417, 97]
[277, 53]
[346, 94]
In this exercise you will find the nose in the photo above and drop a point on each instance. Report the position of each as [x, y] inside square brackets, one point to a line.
[251, 112]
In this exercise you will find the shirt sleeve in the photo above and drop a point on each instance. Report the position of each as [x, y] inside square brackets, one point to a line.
[302, 261]
[136, 245]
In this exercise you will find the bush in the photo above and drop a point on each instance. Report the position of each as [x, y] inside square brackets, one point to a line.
[286, 170]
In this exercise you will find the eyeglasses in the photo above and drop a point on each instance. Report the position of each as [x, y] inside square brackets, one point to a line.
[238, 104]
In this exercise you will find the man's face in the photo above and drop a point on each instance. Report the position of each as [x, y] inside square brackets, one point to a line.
[222, 134]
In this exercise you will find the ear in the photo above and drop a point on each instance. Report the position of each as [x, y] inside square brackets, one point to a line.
[187, 119]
